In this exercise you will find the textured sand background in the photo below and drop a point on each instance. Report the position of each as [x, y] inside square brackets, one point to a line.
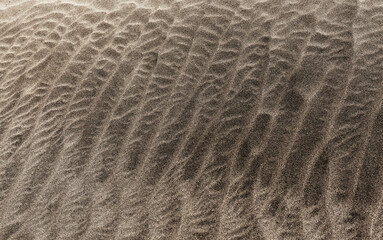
[222, 119]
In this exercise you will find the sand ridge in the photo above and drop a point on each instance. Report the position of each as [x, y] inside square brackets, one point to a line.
[195, 119]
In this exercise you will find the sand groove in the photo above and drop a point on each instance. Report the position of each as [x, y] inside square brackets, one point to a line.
[195, 119]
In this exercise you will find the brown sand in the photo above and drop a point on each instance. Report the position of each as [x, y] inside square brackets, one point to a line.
[192, 119]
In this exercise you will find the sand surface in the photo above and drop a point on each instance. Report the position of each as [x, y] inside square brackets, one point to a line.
[192, 119]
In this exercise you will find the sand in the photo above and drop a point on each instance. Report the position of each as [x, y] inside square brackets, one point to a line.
[192, 119]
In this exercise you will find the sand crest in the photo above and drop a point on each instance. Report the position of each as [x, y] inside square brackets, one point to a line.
[192, 119]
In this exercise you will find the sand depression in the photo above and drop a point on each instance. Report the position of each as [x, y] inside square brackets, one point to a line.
[209, 119]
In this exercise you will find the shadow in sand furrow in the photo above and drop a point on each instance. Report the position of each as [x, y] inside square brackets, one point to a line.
[199, 122]
[109, 72]
[41, 132]
[19, 80]
[152, 42]
[26, 114]
[316, 121]
[214, 90]
[290, 33]
[287, 172]
[159, 89]
[130, 110]
[62, 54]
[107, 103]
[165, 217]
[244, 96]
[21, 57]
[172, 126]
[192, 119]
[351, 131]
[367, 192]
[111, 141]
[277, 88]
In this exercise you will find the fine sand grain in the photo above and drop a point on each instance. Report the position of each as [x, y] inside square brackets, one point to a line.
[191, 119]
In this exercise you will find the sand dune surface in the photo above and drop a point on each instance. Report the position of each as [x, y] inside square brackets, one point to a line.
[191, 119]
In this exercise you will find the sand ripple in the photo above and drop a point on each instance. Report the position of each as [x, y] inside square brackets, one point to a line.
[195, 119]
